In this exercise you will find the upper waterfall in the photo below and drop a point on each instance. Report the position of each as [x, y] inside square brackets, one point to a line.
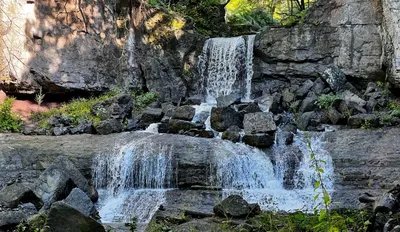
[226, 66]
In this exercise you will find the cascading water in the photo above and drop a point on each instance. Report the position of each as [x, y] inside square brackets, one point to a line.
[133, 181]
[251, 173]
[226, 65]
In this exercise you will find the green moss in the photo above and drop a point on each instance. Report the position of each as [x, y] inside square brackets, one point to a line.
[142, 100]
[37, 222]
[9, 121]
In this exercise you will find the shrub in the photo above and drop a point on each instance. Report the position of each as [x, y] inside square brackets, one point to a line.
[256, 18]
[326, 100]
[9, 122]
[141, 101]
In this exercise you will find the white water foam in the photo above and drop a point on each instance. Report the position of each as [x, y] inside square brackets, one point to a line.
[250, 173]
[133, 181]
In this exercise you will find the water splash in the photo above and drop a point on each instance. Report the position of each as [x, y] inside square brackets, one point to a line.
[226, 65]
[133, 181]
[252, 174]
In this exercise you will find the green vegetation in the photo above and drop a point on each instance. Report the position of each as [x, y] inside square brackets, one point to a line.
[9, 122]
[132, 224]
[81, 108]
[326, 100]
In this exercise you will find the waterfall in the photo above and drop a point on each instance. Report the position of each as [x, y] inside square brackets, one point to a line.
[226, 65]
[251, 173]
[133, 180]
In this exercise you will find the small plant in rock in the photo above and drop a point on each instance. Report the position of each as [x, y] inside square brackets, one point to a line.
[142, 100]
[9, 121]
[325, 100]
[39, 97]
[132, 224]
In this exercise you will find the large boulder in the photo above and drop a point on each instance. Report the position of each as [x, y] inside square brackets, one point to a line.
[81, 202]
[223, 118]
[363, 120]
[228, 100]
[179, 126]
[13, 195]
[235, 206]
[259, 140]
[149, 116]
[335, 78]
[57, 181]
[261, 122]
[118, 107]
[232, 134]
[64, 218]
[108, 126]
[11, 218]
[184, 113]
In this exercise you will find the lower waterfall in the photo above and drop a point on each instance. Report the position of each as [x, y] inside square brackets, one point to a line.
[134, 180]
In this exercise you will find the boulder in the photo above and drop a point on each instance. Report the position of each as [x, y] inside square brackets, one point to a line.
[64, 218]
[201, 117]
[200, 133]
[184, 113]
[232, 134]
[235, 206]
[353, 98]
[149, 116]
[132, 124]
[269, 103]
[259, 140]
[167, 109]
[312, 120]
[223, 118]
[193, 100]
[9, 219]
[118, 107]
[81, 202]
[228, 100]
[335, 117]
[57, 181]
[17, 193]
[262, 122]
[179, 126]
[108, 126]
[84, 127]
[308, 104]
[251, 107]
[363, 120]
[318, 86]
[304, 89]
[335, 78]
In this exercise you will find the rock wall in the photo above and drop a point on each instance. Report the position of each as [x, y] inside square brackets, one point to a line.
[357, 36]
[364, 160]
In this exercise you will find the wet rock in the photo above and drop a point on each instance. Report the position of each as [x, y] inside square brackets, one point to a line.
[335, 78]
[64, 218]
[269, 103]
[201, 117]
[235, 206]
[179, 126]
[81, 202]
[200, 133]
[149, 116]
[185, 113]
[366, 120]
[262, 122]
[228, 100]
[304, 89]
[132, 124]
[93, 194]
[108, 126]
[232, 134]
[258, 140]
[57, 181]
[193, 100]
[13, 195]
[223, 118]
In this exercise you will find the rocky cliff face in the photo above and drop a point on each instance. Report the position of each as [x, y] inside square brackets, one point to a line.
[357, 36]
